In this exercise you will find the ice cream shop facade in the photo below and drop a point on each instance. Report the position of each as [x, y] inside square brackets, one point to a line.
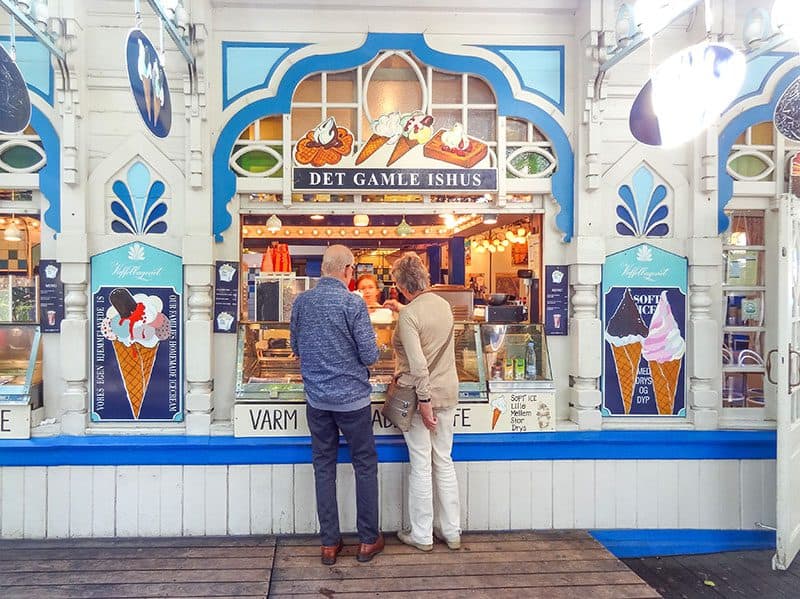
[171, 218]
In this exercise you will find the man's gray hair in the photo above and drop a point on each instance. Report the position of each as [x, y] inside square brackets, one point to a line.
[410, 273]
[334, 260]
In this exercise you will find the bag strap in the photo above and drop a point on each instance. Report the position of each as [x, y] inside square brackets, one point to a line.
[442, 349]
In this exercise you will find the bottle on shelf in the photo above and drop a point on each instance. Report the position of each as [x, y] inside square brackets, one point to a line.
[530, 361]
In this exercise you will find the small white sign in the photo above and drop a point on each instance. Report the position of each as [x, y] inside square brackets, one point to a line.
[503, 413]
[15, 421]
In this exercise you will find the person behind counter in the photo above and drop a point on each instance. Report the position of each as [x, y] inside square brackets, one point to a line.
[367, 285]
[331, 334]
[423, 345]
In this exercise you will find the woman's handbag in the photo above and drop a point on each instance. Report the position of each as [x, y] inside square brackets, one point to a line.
[401, 402]
[400, 405]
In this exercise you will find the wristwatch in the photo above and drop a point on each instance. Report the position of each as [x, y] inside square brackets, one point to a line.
[424, 400]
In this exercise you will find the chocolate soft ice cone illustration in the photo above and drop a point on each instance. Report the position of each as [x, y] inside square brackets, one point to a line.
[135, 325]
[625, 333]
[664, 349]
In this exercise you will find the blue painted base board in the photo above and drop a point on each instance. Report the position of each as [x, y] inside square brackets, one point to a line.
[662, 542]
[102, 450]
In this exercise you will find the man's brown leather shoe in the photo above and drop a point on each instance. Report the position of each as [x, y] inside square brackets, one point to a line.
[329, 553]
[369, 550]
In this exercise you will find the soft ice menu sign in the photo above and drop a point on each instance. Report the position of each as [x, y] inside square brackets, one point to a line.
[644, 324]
[136, 335]
[405, 152]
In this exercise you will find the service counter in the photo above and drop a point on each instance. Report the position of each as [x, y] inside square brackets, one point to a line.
[497, 393]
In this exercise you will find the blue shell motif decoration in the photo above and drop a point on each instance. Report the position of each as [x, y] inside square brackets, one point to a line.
[643, 212]
[138, 208]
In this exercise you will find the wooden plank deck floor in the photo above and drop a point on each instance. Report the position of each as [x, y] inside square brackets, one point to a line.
[490, 565]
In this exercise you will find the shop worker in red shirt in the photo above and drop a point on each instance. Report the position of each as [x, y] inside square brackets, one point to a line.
[332, 335]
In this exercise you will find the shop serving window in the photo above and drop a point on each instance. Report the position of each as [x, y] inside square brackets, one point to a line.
[744, 293]
[361, 100]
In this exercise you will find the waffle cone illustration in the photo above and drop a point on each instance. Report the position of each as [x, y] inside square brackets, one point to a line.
[136, 367]
[498, 407]
[664, 349]
[148, 97]
[665, 384]
[495, 417]
[626, 360]
[401, 148]
[625, 333]
[373, 144]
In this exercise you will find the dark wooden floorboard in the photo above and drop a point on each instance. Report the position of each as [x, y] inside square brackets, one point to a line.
[741, 574]
[530, 564]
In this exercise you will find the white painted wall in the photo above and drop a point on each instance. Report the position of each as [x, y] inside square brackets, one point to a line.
[106, 501]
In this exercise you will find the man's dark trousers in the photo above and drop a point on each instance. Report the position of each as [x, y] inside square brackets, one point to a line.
[356, 426]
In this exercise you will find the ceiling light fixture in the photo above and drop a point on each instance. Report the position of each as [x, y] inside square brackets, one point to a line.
[12, 232]
[489, 219]
[316, 217]
[274, 224]
[403, 229]
[360, 220]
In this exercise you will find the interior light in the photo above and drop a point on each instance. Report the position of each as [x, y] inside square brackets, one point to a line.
[316, 217]
[274, 224]
[505, 242]
[360, 220]
[259, 232]
[403, 228]
[492, 249]
[299, 231]
[315, 232]
[12, 232]
[521, 232]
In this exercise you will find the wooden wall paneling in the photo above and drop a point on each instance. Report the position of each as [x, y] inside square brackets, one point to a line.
[305, 505]
[626, 493]
[194, 500]
[393, 495]
[646, 494]
[668, 497]
[520, 496]
[127, 508]
[57, 502]
[480, 496]
[688, 498]
[216, 500]
[500, 492]
[542, 496]
[563, 494]
[605, 494]
[261, 499]
[104, 501]
[583, 481]
[239, 500]
[171, 492]
[282, 498]
[149, 501]
[12, 503]
[80, 501]
[35, 494]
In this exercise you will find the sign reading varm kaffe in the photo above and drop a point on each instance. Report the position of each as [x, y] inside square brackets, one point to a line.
[403, 154]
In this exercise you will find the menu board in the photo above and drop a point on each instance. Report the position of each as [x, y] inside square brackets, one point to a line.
[226, 297]
[556, 300]
[51, 296]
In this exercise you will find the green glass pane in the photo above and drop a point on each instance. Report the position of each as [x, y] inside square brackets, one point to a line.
[20, 157]
[748, 166]
[530, 163]
[257, 161]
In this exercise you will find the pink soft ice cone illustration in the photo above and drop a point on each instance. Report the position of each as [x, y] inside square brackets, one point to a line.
[664, 349]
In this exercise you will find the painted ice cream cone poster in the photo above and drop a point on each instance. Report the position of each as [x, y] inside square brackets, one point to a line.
[137, 336]
[644, 313]
[148, 83]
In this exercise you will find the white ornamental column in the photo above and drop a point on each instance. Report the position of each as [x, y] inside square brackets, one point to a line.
[198, 254]
[71, 244]
[704, 359]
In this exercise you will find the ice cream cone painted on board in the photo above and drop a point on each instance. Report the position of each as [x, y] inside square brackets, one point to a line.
[136, 367]
[373, 144]
[625, 333]
[416, 129]
[664, 349]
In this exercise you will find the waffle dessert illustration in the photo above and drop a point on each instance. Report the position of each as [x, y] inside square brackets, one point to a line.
[625, 333]
[326, 144]
[664, 349]
[456, 147]
[135, 325]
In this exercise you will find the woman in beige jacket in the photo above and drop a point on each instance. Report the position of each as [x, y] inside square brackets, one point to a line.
[423, 345]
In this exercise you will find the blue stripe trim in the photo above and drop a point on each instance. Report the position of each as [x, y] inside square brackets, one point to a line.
[751, 116]
[186, 450]
[224, 180]
[661, 542]
[50, 175]
[780, 58]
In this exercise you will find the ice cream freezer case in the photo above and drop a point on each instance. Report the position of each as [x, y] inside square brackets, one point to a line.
[269, 387]
[20, 379]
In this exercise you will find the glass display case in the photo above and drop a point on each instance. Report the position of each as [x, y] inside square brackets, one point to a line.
[20, 364]
[266, 368]
[516, 357]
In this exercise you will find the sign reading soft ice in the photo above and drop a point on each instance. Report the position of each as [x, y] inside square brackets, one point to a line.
[226, 297]
[644, 320]
[137, 341]
[686, 94]
[404, 153]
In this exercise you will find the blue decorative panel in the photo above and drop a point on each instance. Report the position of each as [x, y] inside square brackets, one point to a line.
[33, 59]
[643, 211]
[759, 70]
[249, 66]
[138, 208]
[540, 69]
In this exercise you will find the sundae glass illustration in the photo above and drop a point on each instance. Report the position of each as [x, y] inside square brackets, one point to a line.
[51, 271]
[543, 415]
[498, 407]
[225, 321]
[558, 276]
[135, 324]
[226, 272]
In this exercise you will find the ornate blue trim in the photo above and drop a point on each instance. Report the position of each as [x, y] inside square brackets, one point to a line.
[48, 78]
[224, 180]
[751, 116]
[642, 211]
[50, 175]
[269, 65]
[490, 447]
[525, 80]
[139, 207]
[759, 72]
